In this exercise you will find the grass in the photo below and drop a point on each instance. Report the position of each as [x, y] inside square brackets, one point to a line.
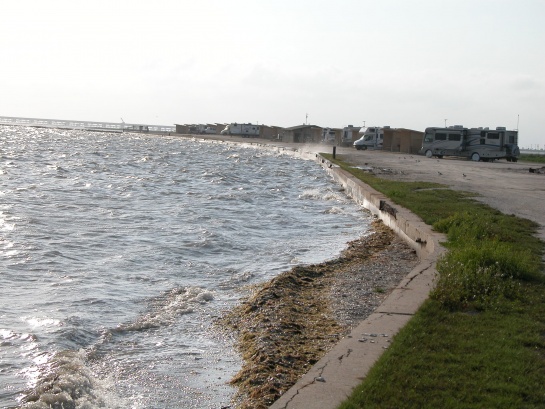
[526, 157]
[479, 340]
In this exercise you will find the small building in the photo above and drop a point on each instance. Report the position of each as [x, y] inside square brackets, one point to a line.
[302, 134]
[182, 129]
[402, 140]
[269, 132]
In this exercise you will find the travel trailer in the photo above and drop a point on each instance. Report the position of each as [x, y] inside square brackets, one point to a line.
[328, 135]
[202, 129]
[372, 138]
[350, 135]
[475, 143]
[244, 130]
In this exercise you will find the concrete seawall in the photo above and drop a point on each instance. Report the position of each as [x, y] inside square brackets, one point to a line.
[332, 379]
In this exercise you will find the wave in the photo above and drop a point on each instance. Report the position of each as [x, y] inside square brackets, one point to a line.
[65, 380]
[319, 194]
[68, 383]
[168, 307]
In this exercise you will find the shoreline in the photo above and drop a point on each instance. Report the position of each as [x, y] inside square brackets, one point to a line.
[288, 323]
[507, 187]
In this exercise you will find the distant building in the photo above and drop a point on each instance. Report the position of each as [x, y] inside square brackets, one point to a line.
[182, 129]
[302, 134]
[270, 132]
[402, 140]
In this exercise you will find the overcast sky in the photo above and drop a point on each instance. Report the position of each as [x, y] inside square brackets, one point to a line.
[407, 64]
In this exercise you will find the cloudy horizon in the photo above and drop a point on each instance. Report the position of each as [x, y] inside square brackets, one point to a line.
[405, 64]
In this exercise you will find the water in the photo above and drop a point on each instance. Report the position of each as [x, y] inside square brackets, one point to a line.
[117, 251]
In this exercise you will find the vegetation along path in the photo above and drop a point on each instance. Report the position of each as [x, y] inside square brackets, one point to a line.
[479, 341]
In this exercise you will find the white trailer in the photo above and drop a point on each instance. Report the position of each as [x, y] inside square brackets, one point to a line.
[372, 138]
[328, 135]
[244, 130]
[350, 135]
[202, 129]
[475, 143]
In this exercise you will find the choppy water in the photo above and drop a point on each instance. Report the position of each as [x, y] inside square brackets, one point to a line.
[117, 252]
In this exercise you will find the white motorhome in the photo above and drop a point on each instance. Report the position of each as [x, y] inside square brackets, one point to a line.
[245, 130]
[372, 138]
[476, 143]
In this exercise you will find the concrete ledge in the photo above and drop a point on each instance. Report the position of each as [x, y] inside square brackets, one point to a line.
[331, 380]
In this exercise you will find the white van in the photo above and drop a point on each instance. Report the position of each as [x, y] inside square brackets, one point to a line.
[373, 138]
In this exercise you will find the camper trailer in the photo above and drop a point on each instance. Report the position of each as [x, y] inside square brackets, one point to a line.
[350, 135]
[244, 130]
[475, 143]
[328, 135]
[372, 138]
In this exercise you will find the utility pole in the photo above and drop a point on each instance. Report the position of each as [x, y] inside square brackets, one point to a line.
[445, 123]
[306, 119]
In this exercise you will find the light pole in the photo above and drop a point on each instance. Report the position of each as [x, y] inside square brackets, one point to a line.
[445, 123]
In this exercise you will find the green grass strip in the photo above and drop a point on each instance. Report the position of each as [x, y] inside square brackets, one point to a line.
[479, 340]
[529, 157]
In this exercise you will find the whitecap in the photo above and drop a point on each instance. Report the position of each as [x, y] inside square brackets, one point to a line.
[166, 308]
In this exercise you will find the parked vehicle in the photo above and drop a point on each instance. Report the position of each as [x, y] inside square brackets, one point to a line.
[328, 135]
[210, 130]
[202, 129]
[350, 135]
[372, 138]
[475, 143]
[245, 130]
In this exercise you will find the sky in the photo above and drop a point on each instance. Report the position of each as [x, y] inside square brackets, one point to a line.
[402, 63]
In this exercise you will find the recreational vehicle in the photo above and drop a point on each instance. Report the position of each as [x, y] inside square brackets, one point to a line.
[350, 134]
[245, 130]
[202, 129]
[328, 135]
[372, 138]
[476, 143]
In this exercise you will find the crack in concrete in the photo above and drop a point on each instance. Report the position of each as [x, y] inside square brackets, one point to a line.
[340, 358]
[321, 371]
[418, 273]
